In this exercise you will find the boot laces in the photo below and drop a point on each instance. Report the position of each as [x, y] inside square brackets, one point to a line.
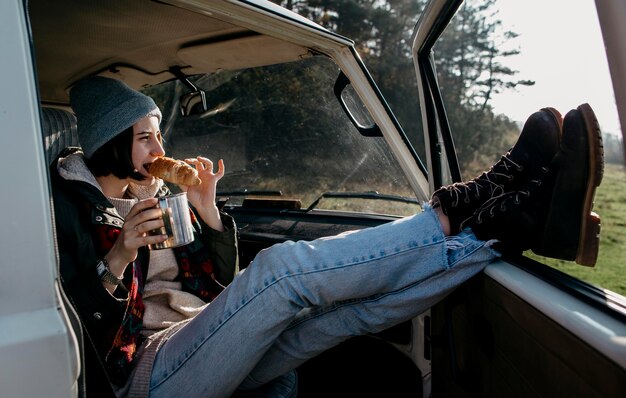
[505, 167]
[465, 190]
[496, 203]
[502, 170]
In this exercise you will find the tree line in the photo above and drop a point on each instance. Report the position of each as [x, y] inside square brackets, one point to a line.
[470, 57]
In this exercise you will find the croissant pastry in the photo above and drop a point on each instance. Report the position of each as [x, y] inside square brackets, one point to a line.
[175, 171]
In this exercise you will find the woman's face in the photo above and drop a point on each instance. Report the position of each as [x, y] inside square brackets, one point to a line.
[147, 145]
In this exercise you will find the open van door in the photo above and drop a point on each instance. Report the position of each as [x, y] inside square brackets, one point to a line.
[521, 328]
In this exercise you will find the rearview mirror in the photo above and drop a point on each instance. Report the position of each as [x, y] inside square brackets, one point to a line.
[193, 103]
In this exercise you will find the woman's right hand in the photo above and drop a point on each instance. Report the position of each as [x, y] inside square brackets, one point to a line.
[143, 217]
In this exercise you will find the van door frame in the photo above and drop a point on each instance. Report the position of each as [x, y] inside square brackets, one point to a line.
[38, 349]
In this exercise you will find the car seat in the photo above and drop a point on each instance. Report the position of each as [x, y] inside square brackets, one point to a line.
[59, 130]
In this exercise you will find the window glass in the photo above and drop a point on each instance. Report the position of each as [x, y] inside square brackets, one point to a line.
[382, 33]
[498, 62]
[280, 129]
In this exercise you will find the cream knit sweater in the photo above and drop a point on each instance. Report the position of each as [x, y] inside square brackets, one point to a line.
[165, 301]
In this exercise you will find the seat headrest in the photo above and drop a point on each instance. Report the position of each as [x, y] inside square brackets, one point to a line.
[59, 129]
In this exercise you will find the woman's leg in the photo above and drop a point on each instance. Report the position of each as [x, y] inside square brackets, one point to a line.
[397, 270]
[268, 319]
[316, 330]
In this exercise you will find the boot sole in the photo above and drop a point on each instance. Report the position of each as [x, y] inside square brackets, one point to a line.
[589, 240]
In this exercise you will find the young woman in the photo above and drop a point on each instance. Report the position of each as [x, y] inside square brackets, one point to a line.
[184, 322]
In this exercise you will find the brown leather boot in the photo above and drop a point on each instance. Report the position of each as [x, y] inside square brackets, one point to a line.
[532, 153]
[572, 230]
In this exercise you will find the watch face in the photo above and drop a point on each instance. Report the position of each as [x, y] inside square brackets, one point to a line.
[101, 268]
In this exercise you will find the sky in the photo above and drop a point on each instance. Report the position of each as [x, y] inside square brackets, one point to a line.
[563, 52]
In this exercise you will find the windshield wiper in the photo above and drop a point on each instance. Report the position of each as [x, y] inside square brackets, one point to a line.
[246, 192]
[361, 195]
[222, 197]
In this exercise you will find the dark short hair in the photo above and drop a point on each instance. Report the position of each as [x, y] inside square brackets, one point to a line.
[115, 157]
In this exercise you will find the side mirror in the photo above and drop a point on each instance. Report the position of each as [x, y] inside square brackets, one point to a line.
[354, 107]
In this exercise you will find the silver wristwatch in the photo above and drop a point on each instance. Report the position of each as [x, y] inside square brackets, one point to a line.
[102, 268]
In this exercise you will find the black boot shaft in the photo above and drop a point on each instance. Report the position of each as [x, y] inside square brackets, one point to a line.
[534, 150]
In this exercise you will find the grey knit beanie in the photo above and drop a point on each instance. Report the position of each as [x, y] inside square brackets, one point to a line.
[104, 108]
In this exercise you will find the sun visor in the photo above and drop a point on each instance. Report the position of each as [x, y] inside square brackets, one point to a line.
[241, 53]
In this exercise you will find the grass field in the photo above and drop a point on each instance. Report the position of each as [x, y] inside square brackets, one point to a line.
[610, 203]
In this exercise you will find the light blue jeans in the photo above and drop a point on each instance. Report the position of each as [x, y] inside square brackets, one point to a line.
[298, 299]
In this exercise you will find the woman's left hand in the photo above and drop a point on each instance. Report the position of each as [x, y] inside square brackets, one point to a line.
[202, 196]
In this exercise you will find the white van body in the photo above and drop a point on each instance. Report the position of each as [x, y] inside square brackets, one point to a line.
[39, 348]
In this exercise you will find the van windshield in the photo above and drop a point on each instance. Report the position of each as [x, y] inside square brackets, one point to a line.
[280, 129]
